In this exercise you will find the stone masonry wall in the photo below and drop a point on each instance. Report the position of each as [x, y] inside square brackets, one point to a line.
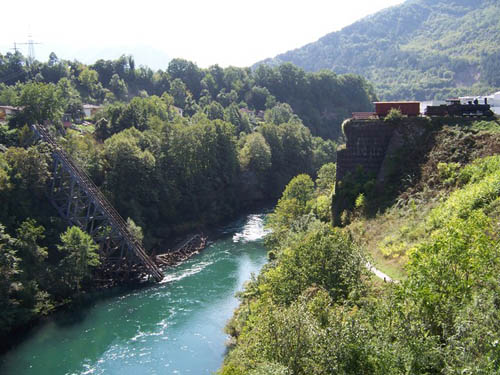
[374, 145]
[366, 146]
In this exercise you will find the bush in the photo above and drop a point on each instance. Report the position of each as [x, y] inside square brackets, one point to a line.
[360, 202]
[394, 116]
[448, 172]
[324, 257]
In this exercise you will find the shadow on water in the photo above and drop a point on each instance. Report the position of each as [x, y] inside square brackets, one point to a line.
[69, 315]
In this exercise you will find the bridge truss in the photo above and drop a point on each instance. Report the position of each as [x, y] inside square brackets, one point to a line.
[78, 200]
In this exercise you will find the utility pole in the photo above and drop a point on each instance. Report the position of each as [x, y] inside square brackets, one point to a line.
[15, 49]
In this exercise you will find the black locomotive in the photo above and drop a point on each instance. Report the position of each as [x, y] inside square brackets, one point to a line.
[455, 108]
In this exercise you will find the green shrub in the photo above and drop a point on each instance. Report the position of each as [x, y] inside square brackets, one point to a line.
[443, 272]
[394, 116]
[448, 172]
[324, 257]
[360, 202]
[463, 201]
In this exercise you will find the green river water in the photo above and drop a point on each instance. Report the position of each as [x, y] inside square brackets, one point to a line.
[175, 327]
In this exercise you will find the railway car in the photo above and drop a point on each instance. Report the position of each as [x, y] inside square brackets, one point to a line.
[455, 108]
[406, 108]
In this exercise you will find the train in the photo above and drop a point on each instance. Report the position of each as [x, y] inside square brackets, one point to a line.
[455, 108]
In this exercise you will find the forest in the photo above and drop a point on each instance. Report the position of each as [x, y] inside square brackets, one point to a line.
[419, 50]
[240, 138]
[321, 100]
[317, 309]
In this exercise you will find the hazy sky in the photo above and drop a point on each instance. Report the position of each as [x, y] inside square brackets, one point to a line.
[207, 32]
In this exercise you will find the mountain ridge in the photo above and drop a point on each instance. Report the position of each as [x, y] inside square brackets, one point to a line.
[420, 49]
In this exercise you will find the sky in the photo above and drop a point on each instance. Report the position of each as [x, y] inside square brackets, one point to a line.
[224, 32]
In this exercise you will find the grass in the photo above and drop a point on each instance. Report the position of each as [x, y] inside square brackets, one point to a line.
[394, 268]
[492, 126]
[388, 236]
[85, 128]
[467, 124]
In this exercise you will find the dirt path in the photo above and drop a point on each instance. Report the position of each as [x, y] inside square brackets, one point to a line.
[380, 274]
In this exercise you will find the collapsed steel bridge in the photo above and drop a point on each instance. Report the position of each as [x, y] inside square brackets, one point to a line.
[78, 200]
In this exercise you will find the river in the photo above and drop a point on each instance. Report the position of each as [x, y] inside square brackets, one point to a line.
[174, 327]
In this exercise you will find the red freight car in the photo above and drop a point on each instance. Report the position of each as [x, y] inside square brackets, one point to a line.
[406, 108]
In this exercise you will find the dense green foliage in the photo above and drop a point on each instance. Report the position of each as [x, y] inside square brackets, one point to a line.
[238, 95]
[36, 277]
[420, 50]
[312, 311]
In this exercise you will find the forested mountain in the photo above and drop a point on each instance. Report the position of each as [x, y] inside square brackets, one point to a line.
[422, 49]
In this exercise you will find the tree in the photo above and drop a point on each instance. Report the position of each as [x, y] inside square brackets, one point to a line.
[28, 173]
[233, 115]
[188, 73]
[118, 87]
[104, 69]
[324, 151]
[295, 202]
[255, 154]
[161, 82]
[4, 175]
[135, 230]
[13, 68]
[301, 188]
[226, 98]
[444, 271]
[179, 91]
[394, 116]
[202, 159]
[130, 173]
[208, 83]
[279, 114]
[258, 97]
[54, 70]
[9, 280]
[8, 94]
[214, 111]
[91, 87]
[80, 256]
[88, 78]
[489, 66]
[41, 103]
[32, 254]
[71, 98]
[326, 178]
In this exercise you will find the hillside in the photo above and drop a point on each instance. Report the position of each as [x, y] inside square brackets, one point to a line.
[422, 49]
[314, 309]
[421, 167]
